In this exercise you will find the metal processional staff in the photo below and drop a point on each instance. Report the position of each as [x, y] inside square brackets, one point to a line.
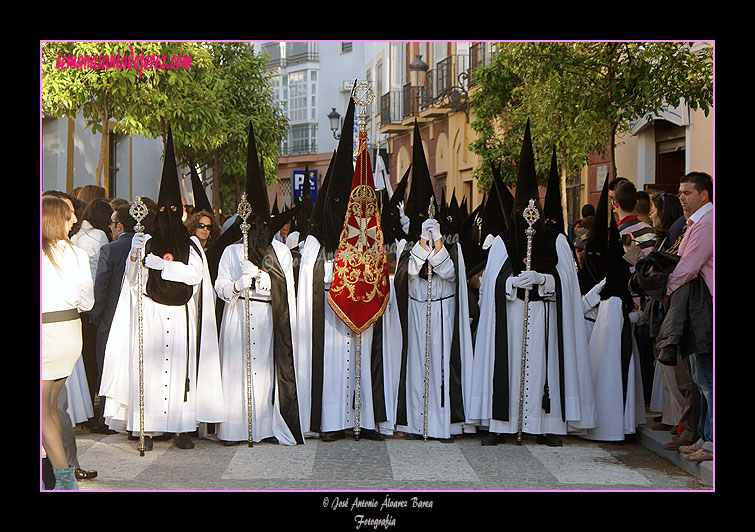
[531, 215]
[138, 212]
[243, 211]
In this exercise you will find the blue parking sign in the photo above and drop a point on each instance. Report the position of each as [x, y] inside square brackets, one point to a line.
[297, 185]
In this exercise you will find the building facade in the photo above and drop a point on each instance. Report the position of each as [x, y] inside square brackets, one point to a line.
[70, 152]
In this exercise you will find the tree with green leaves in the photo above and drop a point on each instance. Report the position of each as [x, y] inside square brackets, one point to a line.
[207, 93]
[580, 97]
[240, 84]
[114, 81]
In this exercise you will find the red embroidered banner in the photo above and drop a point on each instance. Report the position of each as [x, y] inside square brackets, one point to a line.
[360, 290]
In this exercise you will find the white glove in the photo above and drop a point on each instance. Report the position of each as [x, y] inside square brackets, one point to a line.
[593, 296]
[634, 317]
[153, 262]
[518, 282]
[137, 243]
[264, 283]
[405, 223]
[528, 279]
[431, 230]
[242, 283]
[403, 218]
[247, 268]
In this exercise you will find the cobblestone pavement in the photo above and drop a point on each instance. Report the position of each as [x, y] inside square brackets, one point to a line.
[395, 464]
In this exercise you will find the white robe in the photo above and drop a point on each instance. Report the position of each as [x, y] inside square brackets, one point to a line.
[164, 356]
[579, 392]
[267, 420]
[615, 418]
[80, 408]
[339, 367]
[442, 313]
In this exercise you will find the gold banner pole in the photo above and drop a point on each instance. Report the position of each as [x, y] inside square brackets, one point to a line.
[363, 96]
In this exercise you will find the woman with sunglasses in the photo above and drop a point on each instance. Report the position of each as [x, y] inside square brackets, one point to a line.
[668, 221]
[202, 224]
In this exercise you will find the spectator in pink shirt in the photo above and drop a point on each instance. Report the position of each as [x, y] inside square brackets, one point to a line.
[696, 260]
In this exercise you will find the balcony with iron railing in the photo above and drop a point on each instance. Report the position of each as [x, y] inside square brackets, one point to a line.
[445, 89]
[451, 73]
[479, 55]
[390, 108]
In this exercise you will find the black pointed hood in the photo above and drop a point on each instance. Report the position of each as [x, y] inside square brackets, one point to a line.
[170, 190]
[596, 246]
[256, 188]
[471, 224]
[318, 209]
[201, 201]
[475, 257]
[303, 217]
[390, 217]
[421, 191]
[170, 238]
[505, 196]
[453, 208]
[263, 226]
[494, 215]
[617, 269]
[442, 205]
[552, 207]
[544, 257]
[336, 197]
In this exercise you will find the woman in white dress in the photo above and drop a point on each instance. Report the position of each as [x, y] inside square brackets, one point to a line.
[67, 290]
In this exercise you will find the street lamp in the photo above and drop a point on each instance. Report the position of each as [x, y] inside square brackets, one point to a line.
[455, 97]
[335, 122]
[417, 76]
[417, 72]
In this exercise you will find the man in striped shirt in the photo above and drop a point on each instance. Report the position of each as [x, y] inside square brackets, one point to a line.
[639, 240]
[640, 233]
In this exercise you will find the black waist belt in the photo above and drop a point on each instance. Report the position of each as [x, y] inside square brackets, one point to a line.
[432, 300]
[60, 315]
[257, 300]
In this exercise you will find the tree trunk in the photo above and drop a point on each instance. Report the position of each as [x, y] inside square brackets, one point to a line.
[612, 152]
[104, 115]
[237, 182]
[103, 151]
[563, 197]
[217, 204]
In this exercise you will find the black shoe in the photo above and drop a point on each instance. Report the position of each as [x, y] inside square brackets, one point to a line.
[412, 436]
[84, 475]
[551, 440]
[332, 436]
[231, 443]
[48, 476]
[182, 441]
[445, 440]
[134, 436]
[147, 442]
[493, 438]
[101, 428]
[369, 434]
